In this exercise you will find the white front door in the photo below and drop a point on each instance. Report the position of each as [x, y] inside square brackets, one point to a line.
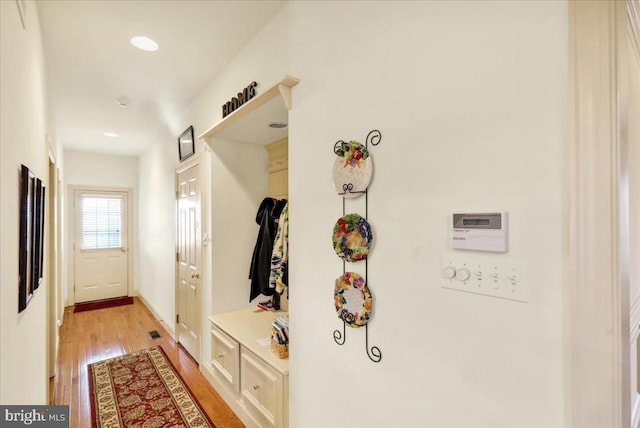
[189, 260]
[101, 262]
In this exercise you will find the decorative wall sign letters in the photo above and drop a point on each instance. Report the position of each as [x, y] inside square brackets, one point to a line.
[242, 97]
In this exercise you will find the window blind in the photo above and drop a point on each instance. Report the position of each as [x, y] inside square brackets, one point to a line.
[101, 221]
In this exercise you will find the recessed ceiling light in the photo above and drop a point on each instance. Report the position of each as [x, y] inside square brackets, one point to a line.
[144, 43]
[277, 125]
[110, 134]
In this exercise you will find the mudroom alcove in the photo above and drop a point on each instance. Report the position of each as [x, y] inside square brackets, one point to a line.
[249, 163]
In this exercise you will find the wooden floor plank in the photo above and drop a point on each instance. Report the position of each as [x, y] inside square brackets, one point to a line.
[91, 336]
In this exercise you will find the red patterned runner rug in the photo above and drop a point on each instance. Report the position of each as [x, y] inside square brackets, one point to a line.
[142, 389]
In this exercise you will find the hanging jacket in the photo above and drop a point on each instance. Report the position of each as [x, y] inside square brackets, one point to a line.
[260, 270]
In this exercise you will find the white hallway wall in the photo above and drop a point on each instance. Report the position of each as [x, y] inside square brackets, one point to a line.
[23, 130]
[155, 257]
[96, 170]
[470, 99]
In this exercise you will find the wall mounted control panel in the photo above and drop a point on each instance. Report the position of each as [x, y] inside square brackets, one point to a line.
[497, 277]
[480, 231]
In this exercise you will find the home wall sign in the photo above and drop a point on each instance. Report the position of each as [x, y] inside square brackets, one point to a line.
[242, 97]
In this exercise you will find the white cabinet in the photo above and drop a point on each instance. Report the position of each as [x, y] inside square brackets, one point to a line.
[225, 357]
[278, 181]
[248, 376]
[262, 389]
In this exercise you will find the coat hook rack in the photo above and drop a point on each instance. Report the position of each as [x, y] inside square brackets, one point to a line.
[374, 353]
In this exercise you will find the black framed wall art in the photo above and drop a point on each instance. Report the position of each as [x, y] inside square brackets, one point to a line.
[186, 144]
[31, 238]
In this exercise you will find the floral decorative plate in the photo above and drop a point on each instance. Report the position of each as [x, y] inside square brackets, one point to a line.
[353, 300]
[352, 169]
[352, 237]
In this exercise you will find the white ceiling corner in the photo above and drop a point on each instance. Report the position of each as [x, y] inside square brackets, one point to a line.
[90, 63]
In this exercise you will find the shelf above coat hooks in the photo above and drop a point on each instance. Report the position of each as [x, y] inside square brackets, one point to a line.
[250, 122]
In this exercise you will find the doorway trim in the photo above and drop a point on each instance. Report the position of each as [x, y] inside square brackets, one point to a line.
[71, 221]
[53, 262]
[596, 303]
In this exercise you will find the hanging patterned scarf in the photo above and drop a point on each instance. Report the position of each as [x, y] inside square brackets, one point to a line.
[280, 257]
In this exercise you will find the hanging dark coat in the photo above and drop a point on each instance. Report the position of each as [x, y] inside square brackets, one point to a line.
[267, 217]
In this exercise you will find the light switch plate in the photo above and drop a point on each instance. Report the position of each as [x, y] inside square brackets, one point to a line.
[502, 278]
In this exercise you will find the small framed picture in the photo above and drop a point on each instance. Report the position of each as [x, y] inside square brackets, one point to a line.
[186, 144]
[38, 234]
[27, 187]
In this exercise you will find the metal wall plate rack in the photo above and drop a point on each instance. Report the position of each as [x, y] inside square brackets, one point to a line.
[374, 353]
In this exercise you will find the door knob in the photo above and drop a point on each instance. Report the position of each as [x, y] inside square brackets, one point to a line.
[195, 275]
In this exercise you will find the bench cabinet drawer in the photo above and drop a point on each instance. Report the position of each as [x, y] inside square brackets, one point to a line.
[262, 389]
[225, 358]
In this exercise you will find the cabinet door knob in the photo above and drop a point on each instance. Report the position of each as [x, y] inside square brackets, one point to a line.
[256, 387]
[195, 275]
[220, 355]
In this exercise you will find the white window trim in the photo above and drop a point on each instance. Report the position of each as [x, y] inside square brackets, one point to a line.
[124, 208]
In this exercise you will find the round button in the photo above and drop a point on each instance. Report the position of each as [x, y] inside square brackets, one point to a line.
[463, 274]
[449, 272]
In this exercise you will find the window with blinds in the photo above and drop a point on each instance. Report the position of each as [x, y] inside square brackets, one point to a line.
[101, 221]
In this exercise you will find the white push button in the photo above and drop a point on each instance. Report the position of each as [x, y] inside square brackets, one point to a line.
[463, 274]
[449, 272]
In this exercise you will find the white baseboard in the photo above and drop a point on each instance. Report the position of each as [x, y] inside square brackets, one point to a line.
[170, 327]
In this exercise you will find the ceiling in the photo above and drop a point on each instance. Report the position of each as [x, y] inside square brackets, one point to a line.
[90, 63]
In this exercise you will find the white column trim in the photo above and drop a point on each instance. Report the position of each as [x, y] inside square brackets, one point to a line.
[633, 16]
[596, 293]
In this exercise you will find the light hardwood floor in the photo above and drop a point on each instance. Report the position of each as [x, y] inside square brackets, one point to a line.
[87, 337]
